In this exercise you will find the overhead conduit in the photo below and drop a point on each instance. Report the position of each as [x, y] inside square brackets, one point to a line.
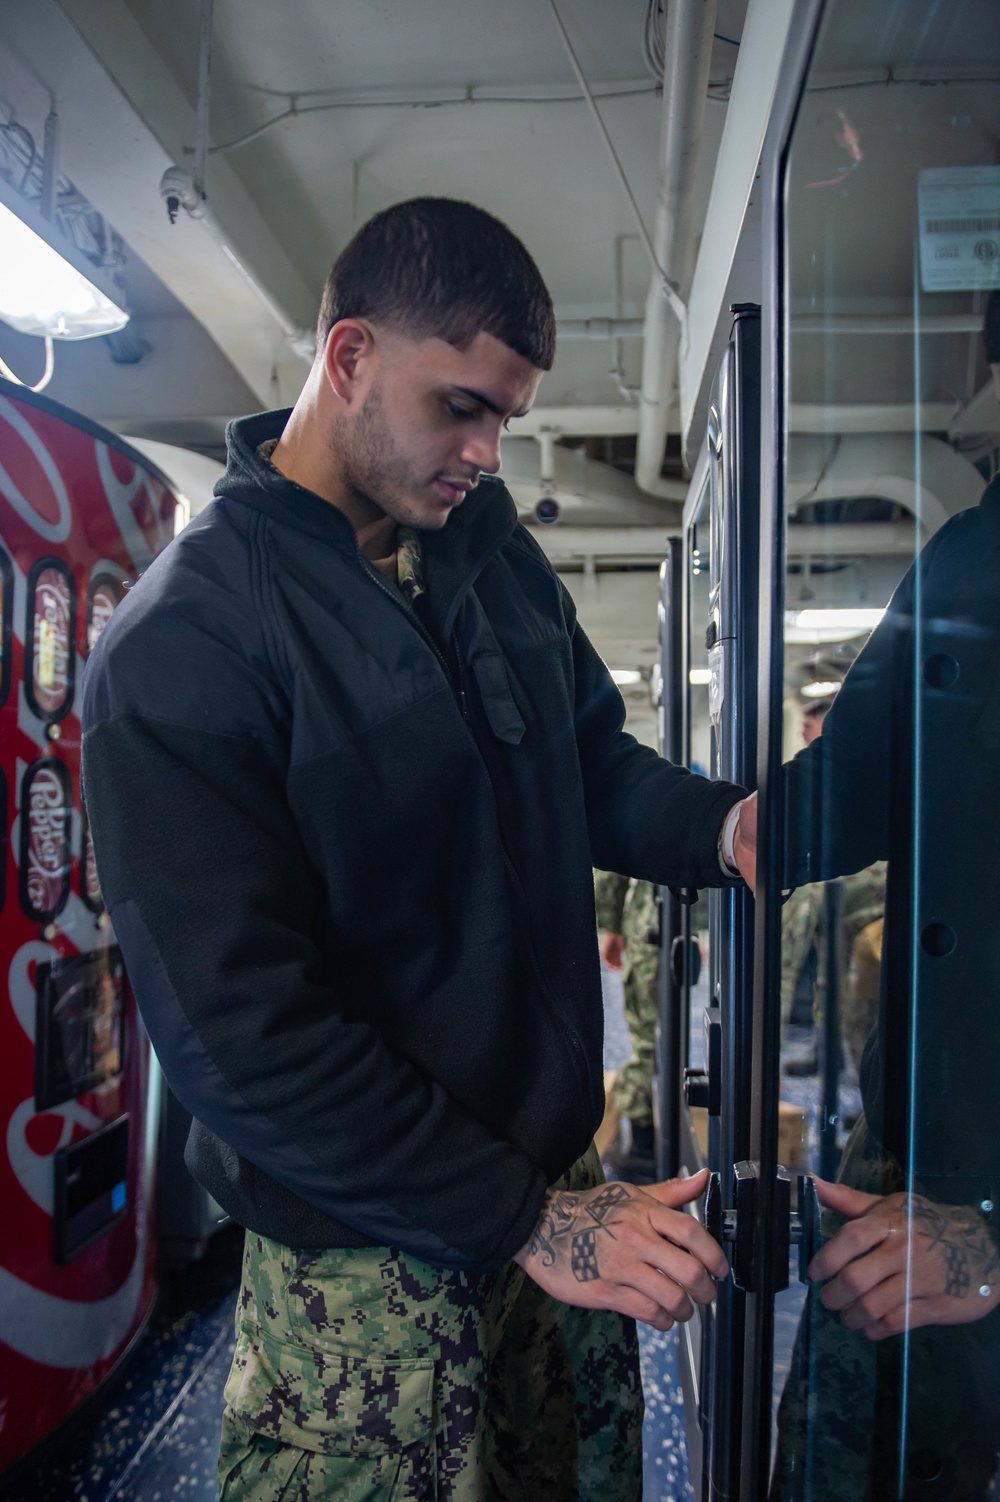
[689, 31]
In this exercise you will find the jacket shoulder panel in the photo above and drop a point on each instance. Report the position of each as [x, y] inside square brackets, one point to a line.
[187, 645]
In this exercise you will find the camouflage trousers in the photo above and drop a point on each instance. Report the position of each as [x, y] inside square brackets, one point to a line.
[633, 1088]
[367, 1375]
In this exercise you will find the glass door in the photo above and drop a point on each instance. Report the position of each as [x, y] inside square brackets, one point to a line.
[710, 956]
[872, 1342]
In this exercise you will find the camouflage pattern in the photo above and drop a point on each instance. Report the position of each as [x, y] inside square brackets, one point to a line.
[799, 923]
[863, 902]
[610, 893]
[859, 1003]
[368, 1374]
[409, 558]
[629, 908]
[838, 1415]
[409, 564]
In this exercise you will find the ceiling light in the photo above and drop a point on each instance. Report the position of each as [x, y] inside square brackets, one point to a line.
[42, 292]
[829, 625]
[700, 676]
[819, 690]
[625, 676]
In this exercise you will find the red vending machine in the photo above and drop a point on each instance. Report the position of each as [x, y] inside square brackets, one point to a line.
[81, 515]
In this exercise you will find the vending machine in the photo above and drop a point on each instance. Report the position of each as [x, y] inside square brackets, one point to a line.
[81, 516]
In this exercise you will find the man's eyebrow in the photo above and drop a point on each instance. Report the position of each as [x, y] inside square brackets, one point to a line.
[487, 402]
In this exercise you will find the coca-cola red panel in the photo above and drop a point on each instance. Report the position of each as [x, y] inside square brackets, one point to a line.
[81, 516]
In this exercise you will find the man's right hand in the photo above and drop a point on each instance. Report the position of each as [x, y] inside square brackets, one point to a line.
[628, 1249]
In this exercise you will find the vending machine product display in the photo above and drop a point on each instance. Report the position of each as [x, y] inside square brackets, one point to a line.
[81, 516]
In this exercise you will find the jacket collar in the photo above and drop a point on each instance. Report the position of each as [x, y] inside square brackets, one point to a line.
[453, 557]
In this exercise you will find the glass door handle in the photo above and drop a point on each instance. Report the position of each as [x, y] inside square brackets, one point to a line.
[804, 1223]
[738, 1227]
[696, 1087]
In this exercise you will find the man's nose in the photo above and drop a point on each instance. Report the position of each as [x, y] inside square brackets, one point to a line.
[481, 450]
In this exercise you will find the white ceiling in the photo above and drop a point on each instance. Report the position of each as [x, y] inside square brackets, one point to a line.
[124, 74]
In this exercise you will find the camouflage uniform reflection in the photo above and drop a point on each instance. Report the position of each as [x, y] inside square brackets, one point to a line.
[629, 908]
[801, 921]
[365, 1374]
[863, 903]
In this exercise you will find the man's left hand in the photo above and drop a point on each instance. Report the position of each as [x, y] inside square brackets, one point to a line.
[903, 1261]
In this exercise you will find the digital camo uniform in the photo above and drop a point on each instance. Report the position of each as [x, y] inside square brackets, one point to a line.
[629, 907]
[799, 922]
[369, 1374]
[801, 919]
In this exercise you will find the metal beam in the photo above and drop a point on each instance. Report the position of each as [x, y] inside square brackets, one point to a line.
[762, 46]
[576, 421]
[599, 328]
[566, 543]
[982, 415]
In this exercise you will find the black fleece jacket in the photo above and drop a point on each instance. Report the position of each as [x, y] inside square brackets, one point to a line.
[347, 850]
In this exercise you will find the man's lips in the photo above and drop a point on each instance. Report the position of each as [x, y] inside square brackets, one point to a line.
[454, 491]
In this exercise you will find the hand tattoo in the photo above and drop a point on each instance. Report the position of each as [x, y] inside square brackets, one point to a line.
[967, 1247]
[574, 1220]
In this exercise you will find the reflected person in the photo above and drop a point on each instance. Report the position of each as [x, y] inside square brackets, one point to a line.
[906, 771]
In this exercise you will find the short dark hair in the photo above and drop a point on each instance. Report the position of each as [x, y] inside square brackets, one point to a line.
[439, 268]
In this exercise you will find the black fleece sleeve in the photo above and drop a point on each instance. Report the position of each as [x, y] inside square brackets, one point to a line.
[216, 907]
[646, 816]
[838, 789]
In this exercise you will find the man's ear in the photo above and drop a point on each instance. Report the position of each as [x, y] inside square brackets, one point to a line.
[349, 358]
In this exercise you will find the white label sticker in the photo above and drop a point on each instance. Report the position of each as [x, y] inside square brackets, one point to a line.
[959, 228]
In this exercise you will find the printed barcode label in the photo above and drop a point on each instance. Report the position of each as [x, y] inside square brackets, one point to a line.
[959, 218]
[989, 224]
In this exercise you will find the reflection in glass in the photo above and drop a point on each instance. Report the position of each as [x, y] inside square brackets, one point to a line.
[79, 1026]
[887, 1365]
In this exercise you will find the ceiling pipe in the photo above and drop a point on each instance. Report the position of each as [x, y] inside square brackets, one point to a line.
[690, 28]
[600, 328]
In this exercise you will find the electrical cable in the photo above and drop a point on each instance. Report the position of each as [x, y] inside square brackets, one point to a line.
[50, 365]
[619, 169]
[468, 96]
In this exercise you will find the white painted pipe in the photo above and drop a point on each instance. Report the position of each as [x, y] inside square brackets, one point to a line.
[600, 328]
[690, 27]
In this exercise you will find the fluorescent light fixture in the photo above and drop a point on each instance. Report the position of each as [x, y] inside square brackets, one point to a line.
[816, 626]
[625, 676]
[819, 689]
[42, 292]
[700, 677]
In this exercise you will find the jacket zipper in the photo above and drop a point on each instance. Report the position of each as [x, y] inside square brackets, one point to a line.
[458, 689]
[419, 626]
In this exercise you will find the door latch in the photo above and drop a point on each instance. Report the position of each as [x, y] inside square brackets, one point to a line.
[737, 1227]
